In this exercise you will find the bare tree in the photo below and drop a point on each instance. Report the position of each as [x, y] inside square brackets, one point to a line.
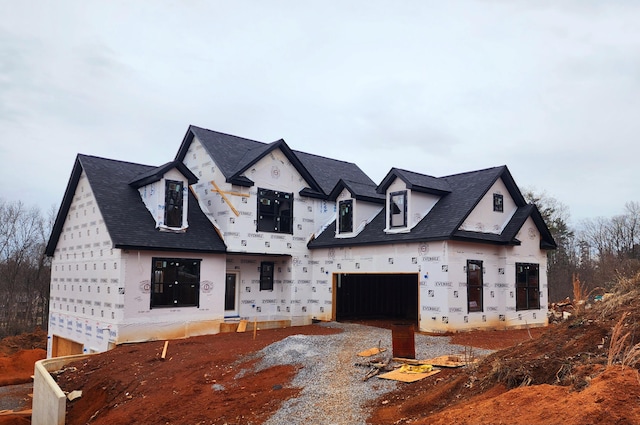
[561, 263]
[24, 268]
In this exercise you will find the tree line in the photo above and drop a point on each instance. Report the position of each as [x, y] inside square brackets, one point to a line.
[25, 270]
[597, 251]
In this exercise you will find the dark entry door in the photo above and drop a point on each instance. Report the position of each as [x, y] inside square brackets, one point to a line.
[231, 295]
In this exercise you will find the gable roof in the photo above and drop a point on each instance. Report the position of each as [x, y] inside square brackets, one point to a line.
[447, 215]
[235, 155]
[415, 181]
[359, 191]
[155, 174]
[129, 223]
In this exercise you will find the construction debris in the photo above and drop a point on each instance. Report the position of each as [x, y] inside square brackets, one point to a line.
[373, 351]
[375, 366]
[74, 395]
[403, 376]
[23, 413]
[242, 326]
[164, 350]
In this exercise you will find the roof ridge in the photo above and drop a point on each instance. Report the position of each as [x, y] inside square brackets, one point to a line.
[476, 171]
[225, 134]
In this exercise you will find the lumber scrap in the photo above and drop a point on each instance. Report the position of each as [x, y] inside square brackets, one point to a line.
[399, 375]
[372, 352]
[164, 350]
[242, 327]
[24, 413]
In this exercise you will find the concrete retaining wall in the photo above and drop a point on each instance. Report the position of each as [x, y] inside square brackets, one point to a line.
[49, 402]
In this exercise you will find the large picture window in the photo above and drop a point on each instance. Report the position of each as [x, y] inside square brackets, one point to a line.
[345, 216]
[175, 282]
[474, 285]
[398, 209]
[173, 203]
[275, 211]
[527, 286]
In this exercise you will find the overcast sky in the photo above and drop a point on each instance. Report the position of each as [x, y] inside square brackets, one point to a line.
[549, 88]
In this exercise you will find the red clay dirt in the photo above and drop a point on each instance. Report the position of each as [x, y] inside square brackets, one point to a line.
[18, 355]
[560, 374]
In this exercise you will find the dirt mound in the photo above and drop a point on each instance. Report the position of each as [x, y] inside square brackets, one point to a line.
[12, 344]
[18, 355]
[546, 379]
[18, 368]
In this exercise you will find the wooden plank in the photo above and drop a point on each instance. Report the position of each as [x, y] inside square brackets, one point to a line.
[164, 350]
[371, 352]
[242, 326]
[24, 413]
[449, 361]
[228, 202]
[397, 375]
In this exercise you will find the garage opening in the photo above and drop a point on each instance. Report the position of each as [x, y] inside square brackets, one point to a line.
[364, 296]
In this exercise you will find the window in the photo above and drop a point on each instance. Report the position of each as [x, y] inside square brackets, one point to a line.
[275, 211]
[266, 276]
[474, 285]
[527, 286]
[173, 204]
[345, 216]
[398, 209]
[498, 202]
[175, 282]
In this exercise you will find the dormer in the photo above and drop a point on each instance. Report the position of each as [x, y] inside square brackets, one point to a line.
[409, 197]
[356, 205]
[164, 191]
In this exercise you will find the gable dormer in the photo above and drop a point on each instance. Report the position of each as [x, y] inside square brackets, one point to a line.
[356, 205]
[164, 191]
[409, 198]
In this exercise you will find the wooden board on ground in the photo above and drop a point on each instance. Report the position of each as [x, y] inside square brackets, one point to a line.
[242, 326]
[448, 361]
[24, 413]
[371, 352]
[397, 375]
[441, 361]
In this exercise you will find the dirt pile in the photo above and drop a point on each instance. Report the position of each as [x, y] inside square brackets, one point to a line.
[18, 354]
[568, 374]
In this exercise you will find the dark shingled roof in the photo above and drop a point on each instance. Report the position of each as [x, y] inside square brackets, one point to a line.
[234, 155]
[365, 192]
[415, 181]
[448, 214]
[130, 224]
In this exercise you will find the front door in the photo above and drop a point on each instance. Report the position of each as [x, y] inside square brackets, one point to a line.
[231, 295]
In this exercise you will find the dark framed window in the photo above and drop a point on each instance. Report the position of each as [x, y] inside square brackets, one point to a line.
[474, 285]
[498, 205]
[345, 216]
[275, 211]
[266, 276]
[527, 286]
[398, 209]
[175, 282]
[173, 203]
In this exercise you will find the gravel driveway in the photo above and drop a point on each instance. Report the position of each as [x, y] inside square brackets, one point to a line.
[333, 390]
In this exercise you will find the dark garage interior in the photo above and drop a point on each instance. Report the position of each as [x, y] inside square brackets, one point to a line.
[365, 296]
